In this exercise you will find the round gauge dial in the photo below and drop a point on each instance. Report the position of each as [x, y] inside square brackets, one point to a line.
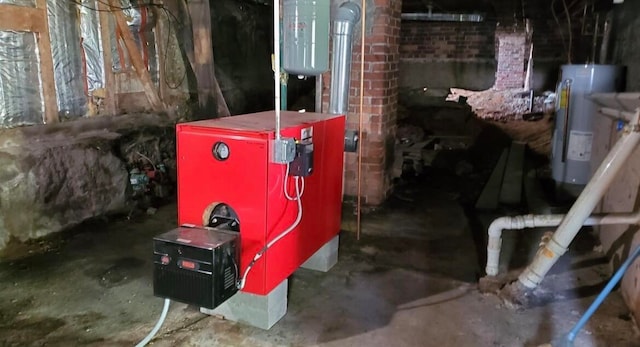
[221, 151]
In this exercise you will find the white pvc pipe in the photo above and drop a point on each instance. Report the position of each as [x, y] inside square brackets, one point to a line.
[536, 221]
[584, 205]
[276, 62]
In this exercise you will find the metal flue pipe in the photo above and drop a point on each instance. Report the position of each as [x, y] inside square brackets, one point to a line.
[347, 16]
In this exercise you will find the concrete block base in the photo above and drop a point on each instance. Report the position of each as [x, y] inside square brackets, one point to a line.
[325, 258]
[261, 311]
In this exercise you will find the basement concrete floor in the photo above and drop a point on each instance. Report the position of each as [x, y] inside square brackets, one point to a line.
[409, 281]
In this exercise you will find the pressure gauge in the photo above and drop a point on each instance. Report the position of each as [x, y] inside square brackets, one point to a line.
[221, 151]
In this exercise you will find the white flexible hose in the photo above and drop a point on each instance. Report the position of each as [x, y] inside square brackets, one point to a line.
[155, 329]
[259, 255]
[285, 185]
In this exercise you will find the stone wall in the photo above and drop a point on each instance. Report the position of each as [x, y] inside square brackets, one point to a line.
[53, 177]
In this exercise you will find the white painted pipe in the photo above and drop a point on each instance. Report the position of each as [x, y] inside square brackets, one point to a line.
[276, 62]
[584, 205]
[536, 221]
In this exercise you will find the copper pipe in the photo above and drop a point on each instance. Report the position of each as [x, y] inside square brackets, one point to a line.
[360, 126]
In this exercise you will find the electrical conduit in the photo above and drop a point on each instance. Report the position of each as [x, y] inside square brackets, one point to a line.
[535, 221]
[276, 63]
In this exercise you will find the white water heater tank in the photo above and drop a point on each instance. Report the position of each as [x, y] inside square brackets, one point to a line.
[573, 135]
[305, 39]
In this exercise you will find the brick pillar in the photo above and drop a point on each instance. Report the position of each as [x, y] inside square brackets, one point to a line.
[511, 59]
[382, 37]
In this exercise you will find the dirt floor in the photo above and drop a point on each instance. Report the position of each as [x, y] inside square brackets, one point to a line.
[411, 280]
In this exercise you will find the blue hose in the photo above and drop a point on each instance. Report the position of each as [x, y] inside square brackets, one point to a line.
[568, 340]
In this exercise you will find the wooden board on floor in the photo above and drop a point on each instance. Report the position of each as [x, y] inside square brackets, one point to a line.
[488, 200]
[511, 192]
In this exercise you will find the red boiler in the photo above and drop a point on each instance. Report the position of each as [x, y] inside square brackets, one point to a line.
[228, 162]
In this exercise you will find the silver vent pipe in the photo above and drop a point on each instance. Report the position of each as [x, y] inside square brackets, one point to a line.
[442, 17]
[347, 16]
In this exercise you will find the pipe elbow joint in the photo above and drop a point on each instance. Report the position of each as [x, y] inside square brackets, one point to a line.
[498, 225]
[349, 11]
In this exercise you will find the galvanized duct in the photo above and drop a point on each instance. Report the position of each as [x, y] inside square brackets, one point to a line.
[20, 87]
[92, 45]
[347, 16]
[443, 17]
[67, 63]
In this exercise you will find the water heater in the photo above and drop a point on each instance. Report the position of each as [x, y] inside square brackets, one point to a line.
[574, 124]
[306, 36]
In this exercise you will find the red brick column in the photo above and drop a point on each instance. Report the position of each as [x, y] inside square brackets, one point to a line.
[511, 59]
[382, 37]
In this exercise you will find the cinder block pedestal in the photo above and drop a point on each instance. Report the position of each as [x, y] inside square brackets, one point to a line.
[261, 311]
[325, 258]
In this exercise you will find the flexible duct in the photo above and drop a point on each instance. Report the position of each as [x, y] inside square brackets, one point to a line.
[347, 16]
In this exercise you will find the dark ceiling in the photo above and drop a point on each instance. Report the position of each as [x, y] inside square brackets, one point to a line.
[499, 10]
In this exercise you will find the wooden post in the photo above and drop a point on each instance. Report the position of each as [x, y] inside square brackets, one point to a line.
[202, 59]
[136, 60]
[161, 32]
[109, 77]
[46, 67]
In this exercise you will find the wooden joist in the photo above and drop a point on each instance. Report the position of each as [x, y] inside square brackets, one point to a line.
[22, 18]
[136, 60]
[46, 67]
[202, 58]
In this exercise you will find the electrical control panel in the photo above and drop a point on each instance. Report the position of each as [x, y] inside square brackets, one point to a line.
[302, 164]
